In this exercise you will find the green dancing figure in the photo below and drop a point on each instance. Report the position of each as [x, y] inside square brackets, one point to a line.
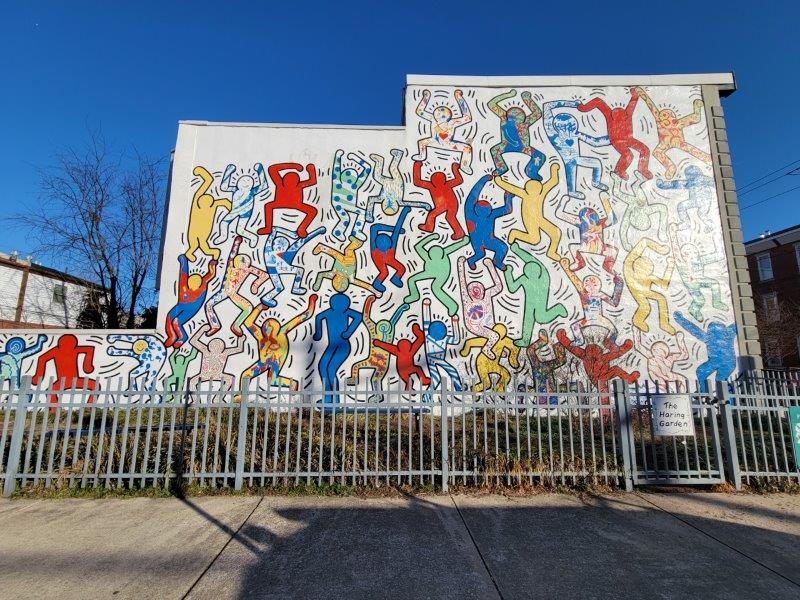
[436, 268]
[535, 282]
[179, 363]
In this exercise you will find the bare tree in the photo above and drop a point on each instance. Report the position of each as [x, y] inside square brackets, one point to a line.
[99, 218]
[779, 329]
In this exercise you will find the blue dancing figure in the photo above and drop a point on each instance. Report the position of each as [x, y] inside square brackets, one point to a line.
[719, 340]
[342, 322]
[481, 217]
[564, 134]
[701, 189]
[437, 339]
[13, 355]
[382, 247]
[280, 249]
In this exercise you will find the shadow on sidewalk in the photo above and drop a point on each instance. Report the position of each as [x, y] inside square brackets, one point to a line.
[547, 546]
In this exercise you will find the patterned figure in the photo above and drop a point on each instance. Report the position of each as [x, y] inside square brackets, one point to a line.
[443, 196]
[436, 269]
[243, 197]
[378, 359]
[533, 197]
[437, 339]
[14, 353]
[391, 194]
[65, 355]
[591, 230]
[342, 322]
[619, 123]
[515, 133]
[719, 340]
[535, 284]
[487, 366]
[701, 195]
[404, 352]
[201, 217]
[147, 350]
[273, 345]
[213, 357]
[179, 362]
[382, 246]
[671, 135]
[597, 364]
[289, 190]
[280, 249]
[660, 362]
[640, 276]
[478, 306]
[639, 212]
[546, 358]
[237, 269]
[443, 129]
[691, 267]
[562, 129]
[345, 185]
[192, 290]
[343, 271]
[592, 298]
[481, 218]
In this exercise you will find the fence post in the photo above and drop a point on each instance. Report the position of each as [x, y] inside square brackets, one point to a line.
[444, 397]
[621, 402]
[240, 440]
[733, 473]
[12, 464]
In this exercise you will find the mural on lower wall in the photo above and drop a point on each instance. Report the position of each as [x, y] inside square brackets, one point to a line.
[564, 234]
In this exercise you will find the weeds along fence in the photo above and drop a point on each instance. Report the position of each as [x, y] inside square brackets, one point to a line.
[524, 435]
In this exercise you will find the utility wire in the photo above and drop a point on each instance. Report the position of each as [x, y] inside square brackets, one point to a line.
[770, 198]
[768, 175]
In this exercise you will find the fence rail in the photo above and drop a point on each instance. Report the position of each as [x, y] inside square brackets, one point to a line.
[258, 436]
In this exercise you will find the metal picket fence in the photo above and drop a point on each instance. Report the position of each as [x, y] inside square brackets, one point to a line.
[755, 415]
[523, 435]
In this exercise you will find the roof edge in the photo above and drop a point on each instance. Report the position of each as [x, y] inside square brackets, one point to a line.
[291, 125]
[726, 82]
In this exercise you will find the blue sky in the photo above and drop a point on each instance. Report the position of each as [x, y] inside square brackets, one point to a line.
[138, 68]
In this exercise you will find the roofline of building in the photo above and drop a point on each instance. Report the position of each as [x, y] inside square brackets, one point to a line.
[49, 272]
[291, 125]
[773, 235]
[726, 82]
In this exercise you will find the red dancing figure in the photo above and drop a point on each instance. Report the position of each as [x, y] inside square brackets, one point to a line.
[65, 356]
[620, 131]
[596, 363]
[289, 194]
[443, 194]
[404, 352]
[192, 290]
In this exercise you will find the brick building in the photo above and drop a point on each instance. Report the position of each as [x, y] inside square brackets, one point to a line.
[774, 263]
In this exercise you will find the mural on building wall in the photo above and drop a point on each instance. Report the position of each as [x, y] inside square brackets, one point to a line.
[561, 233]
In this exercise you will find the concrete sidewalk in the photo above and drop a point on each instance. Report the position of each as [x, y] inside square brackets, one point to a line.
[698, 545]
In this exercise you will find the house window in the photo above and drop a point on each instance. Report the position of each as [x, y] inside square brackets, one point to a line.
[764, 262]
[772, 311]
[60, 293]
[797, 255]
[773, 355]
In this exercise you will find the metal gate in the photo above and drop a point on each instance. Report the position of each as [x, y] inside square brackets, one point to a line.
[684, 460]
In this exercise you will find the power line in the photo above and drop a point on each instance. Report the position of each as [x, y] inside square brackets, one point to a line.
[770, 198]
[767, 175]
